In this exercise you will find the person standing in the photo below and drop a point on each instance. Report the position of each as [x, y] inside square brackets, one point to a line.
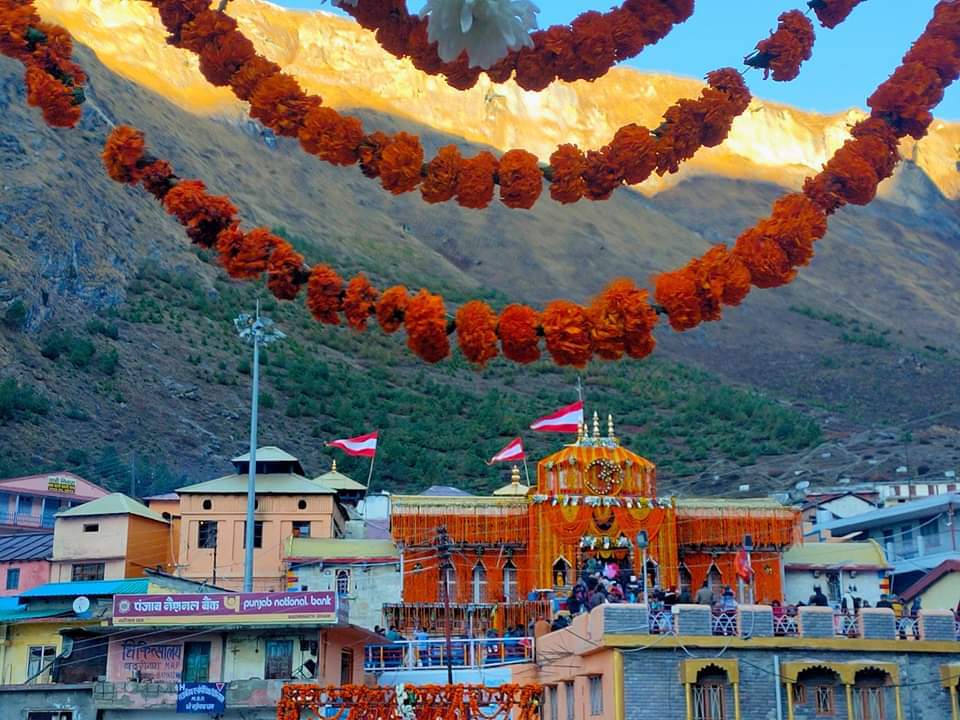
[704, 595]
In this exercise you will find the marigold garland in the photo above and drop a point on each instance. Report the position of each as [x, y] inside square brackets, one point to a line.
[359, 301]
[831, 13]
[583, 50]
[324, 294]
[477, 332]
[391, 308]
[784, 51]
[566, 327]
[518, 330]
[425, 321]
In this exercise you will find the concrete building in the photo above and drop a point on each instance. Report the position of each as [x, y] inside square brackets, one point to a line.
[939, 588]
[24, 561]
[826, 506]
[608, 665]
[855, 568]
[31, 503]
[366, 573]
[110, 538]
[213, 520]
[916, 536]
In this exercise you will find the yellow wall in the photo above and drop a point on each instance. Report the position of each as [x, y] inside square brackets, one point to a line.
[943, 594]
[14, 656]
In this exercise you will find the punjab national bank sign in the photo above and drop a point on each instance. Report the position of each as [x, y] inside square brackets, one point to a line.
[230, 608]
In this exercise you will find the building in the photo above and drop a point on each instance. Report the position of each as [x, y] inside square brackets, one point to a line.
[609, 664]
[858, 569]
[31, 503]
[916, 536]
[349, 491]
[365, 573]
[110, 538]
[939, 588]
[24, 561]
[213, 520]
[594, 501]
[824, 507]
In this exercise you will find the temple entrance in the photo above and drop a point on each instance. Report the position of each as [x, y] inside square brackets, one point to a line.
[615, 560]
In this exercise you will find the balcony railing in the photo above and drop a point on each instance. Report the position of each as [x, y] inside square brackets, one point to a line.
[723, 622]
[463, 653]
[785, 625]
[26, 520]
[845, 625]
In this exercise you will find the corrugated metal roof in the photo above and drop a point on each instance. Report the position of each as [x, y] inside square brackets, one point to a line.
[897, 513]
[112, 504]
[273, 484]
[269, 453]
[326, 548]
[339, 481]
[445, 491]
[836, 554]
[21, 615]
[27, 546]
[129, 586]
[163, 496]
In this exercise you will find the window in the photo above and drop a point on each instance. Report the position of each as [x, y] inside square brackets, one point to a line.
[343, 582]
[552, 702]
[868, 703]
[346, 666]
[208, 504]
[257, 533]
[301, 529]
[888, 545]
[13, 578]
[479, 583]
[39, 660]
[87, 571]
[302, 505]
[571, 695]
[91, 527]
[448, 583]
[930, 532]
[596, 695]
[825, 705]
[196, 662]
[510, 592]
[279, 660]
[708, 696]
[908, 542]
[686, 580]
[50, 715]
[799, 694]
[207, 534]
[24, 505]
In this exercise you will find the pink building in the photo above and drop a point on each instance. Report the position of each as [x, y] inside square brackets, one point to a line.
[24, 562]
[213, 521]
[31, 503]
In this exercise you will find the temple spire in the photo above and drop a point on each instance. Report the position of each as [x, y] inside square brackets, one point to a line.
[334, 467]
[515, 475]
[596, 425]
[611, 436]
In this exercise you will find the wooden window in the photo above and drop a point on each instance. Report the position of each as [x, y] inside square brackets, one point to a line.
[799, 694]
[279, 660]
[87, 571]
[825, 703]
[257, 533]
[869, 703]
[709, 696]
[448, 583]
[196, 662]
[596, 695]
[343, 582]
[207, 534]
[301, 529]
[13, 578]
[346, 666]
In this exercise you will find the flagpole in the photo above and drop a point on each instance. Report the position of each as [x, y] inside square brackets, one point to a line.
[373, 459]
[525, 471]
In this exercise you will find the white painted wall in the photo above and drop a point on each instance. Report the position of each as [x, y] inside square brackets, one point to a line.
[370, 588]
[798, 585]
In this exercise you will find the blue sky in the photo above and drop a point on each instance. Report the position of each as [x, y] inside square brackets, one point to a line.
[848, 62]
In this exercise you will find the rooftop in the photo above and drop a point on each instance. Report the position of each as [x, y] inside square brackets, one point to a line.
[267, 484]
[164, 496]
[944, 568]
[445, 491]
[306, 549]
[835, 555]
[912, 510]
[268, 453]
[57, 484]
[338, 481]
[112, 504]
[26, 546]
[97, 588]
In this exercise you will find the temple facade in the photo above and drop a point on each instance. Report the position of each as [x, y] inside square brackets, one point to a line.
[497, 560]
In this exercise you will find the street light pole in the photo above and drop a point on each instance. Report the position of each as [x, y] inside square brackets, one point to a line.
[443, 547]
[256, 330]
[643, 542]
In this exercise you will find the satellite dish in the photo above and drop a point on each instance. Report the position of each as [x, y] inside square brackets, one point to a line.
[802, 485]
[81, 605]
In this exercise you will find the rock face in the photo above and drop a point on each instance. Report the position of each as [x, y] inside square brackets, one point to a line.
[342, 62]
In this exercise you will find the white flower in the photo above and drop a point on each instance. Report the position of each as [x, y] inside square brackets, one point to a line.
[486, 29]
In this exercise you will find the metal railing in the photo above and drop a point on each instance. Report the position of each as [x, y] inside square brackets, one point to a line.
[463, 653]
[845, 625]
[661, 622]
[26, 520]
[723, 622]
[785, 625]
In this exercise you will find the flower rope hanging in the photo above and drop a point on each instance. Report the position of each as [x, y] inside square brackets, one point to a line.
[227, 58]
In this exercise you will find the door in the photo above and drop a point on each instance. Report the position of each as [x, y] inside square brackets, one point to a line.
[196, 662]
[346, 666]
[279, 660]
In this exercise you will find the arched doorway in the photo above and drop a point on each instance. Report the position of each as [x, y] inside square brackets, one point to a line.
[561, 573]
[479, 583]
[870, 695]
[715, 581]
[818, 692]
[686, 580]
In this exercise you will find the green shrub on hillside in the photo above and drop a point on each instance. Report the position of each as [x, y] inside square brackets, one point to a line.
[15, 316]
[20, 401]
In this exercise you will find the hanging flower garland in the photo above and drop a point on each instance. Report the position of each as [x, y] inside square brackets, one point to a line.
[54, 82]
[585, 49]
[831, 13]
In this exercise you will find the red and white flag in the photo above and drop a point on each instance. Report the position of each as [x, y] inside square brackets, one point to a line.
[566, 419]
[743, 566]
[513, 451]
[362, 446]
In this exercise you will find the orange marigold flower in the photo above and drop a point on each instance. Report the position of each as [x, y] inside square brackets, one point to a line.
[443, 173]
[534, 70]
[521, 181]
[157, 178]
[423, 53]
[622, 320]
[460, 74]
[833, 12]
[795, 223]
[280, 104]
[56, 101]
[285, 271]
[331, 136]
[677, 292]
[391, 308]
[594, 46]
[224, 56]
[229, 243]
[253, 257]
[360, 301]
[768, 264]
[628, 33]
[15, 21]
[725, 274]
[401, 163]
[602, 174]
[250, 75]
[518, 334]
[370, 148]
[202, 214]
[324, 290]
[906, 98]
[634, 153]
[566, 327]
[121, 153]
[425, 320]
[475, 181]
[204, 28]
[877, 143]
[938, 54]
[567, 166]
[477, 332]
[785, 50]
